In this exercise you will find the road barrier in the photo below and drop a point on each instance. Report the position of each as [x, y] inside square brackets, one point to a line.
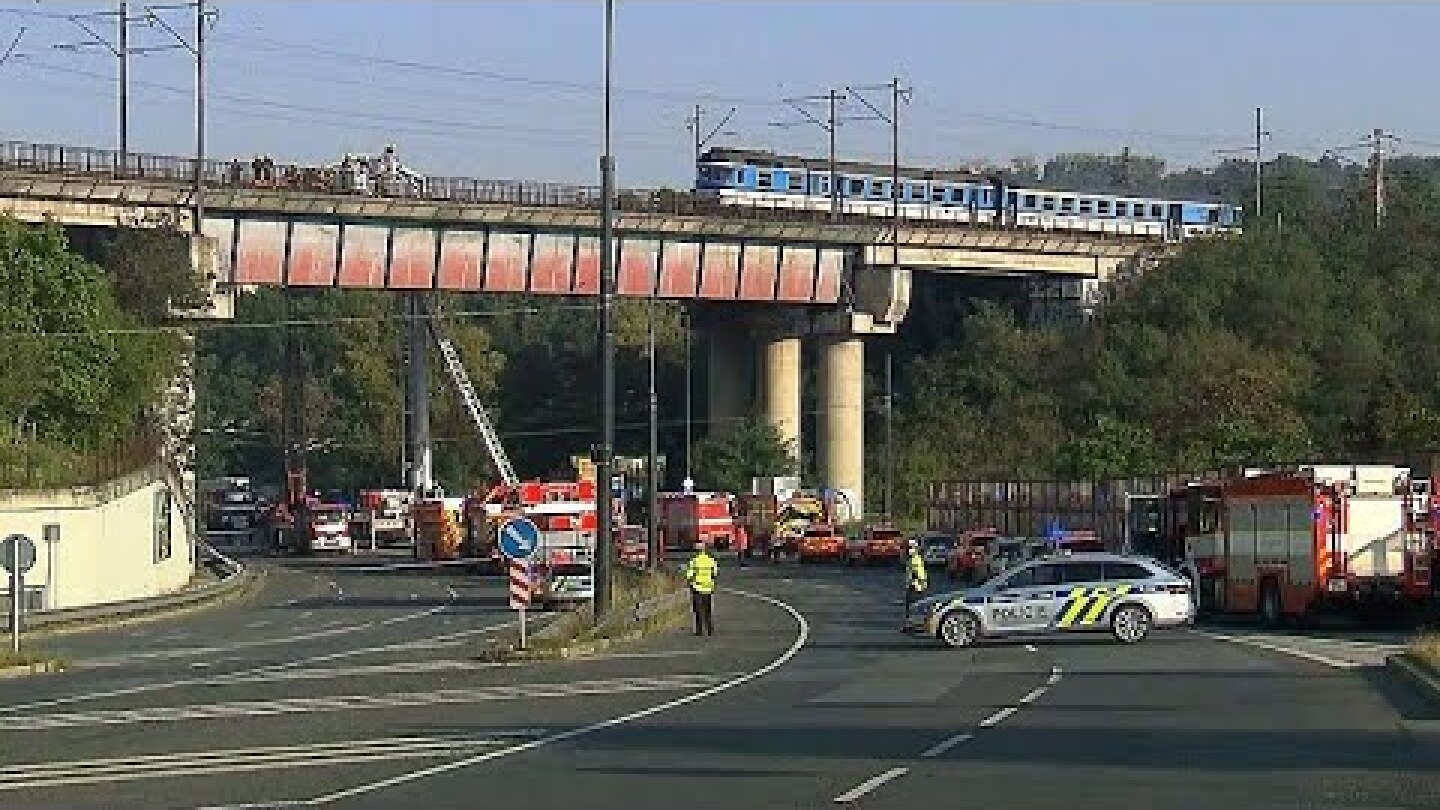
[234, 577]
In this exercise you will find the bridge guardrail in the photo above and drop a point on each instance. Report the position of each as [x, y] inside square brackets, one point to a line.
[236, 577]
[87, 161]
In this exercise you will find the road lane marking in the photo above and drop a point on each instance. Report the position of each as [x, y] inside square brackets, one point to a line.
[1335, 663]
[802, 637]
[998, 717]
[199, 763]
[453, 637]
[1031, 648]
[130, 658]
[945, 745]
[1054, 678]
[345, 703]
[870, 784]
[1033, 695]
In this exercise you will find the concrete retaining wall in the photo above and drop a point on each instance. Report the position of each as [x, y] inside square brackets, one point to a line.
[123, 540]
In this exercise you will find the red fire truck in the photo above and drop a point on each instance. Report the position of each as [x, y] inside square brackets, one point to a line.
[686, 518]
[1283, 543]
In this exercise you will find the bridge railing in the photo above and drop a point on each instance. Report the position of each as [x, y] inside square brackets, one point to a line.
[261, 173]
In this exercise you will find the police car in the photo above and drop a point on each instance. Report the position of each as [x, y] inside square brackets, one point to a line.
[1127, 595]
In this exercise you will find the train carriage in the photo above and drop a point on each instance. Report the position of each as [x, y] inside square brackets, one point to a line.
[761, 179]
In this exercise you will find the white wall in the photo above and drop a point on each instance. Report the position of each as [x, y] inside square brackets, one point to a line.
[110, 540]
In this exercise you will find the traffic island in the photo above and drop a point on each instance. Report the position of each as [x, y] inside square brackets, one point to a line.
[1420, 666]
[647, 604]
[20, 665]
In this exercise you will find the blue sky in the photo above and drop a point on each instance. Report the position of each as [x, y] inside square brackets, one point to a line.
[511, 89]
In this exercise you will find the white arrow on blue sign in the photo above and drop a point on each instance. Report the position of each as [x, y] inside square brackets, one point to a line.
[519, 538]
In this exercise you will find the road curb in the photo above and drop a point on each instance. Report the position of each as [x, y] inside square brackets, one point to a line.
[1417, 673]
[241, 580]
[652, 619]
[26, 670]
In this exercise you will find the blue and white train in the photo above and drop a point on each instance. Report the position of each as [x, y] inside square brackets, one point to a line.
[766, 180]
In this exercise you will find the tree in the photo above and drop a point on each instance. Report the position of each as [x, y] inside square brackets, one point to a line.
[753, 448]
[92, 373]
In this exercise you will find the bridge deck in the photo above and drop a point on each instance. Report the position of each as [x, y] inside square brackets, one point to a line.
[67, 173]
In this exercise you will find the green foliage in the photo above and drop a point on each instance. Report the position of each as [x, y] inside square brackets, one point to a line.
[81, 371]
[728, 461]
[1309, 337]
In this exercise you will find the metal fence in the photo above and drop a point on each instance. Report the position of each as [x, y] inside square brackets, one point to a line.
[1034, 508]
[30, 463]
[86, 161]
[1031, 508]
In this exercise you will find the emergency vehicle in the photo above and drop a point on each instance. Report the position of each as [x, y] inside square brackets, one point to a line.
[1283, 543]
[325, 527]
[689, 517]
[877, 544]
[385, 515]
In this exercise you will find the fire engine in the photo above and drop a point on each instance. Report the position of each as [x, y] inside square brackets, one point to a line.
[565, 512]
[385, 515]
[1282, 543]
[690, 517]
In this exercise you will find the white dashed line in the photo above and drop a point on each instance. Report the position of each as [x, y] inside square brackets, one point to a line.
[998, 717]
[945, 745]
[870, 784]
[1054, 676]
[1033, 695]
[1031, 648]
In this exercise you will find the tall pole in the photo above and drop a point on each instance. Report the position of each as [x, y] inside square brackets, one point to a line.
[1259, 134]
[652, 483]
[199, 115]
[889, 437]
[689, 394]
[1378, 166]
[123, 53]
[834, 180]
[603, 461]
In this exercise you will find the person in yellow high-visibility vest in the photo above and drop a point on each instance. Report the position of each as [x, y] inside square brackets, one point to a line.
[916, 577]
[700, 573]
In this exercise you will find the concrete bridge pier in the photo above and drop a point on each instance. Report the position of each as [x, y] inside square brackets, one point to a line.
[841, 444]
[780, 363]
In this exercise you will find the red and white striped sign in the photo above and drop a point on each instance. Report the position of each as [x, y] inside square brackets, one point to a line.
[519, 584]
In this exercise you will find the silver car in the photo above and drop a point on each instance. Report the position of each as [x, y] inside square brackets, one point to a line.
[1127, 595]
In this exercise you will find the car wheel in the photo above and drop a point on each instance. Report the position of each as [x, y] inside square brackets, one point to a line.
[1130, 624]
[958, 628]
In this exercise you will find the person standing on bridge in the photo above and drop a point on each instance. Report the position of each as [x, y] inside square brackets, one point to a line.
[916, 578]
[700, 573]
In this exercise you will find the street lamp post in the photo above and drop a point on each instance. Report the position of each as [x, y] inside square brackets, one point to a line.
[604, 540]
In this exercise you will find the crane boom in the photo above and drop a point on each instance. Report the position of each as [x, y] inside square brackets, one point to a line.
[478, 415]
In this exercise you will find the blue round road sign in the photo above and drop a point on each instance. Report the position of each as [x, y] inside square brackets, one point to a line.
[519, 538]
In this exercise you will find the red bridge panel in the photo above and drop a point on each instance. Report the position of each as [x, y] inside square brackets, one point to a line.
[720, 270]
[362, 255]
[462, 260]
[757, 272]
[505, 262]
[260, 254]
[412, 259]
[552, 262]
[587, 266]
[638, 260]
[679, 270]
[313, 250]
[797, 273]
[827, 286]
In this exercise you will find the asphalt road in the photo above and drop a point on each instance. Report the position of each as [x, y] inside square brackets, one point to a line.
[342, 688]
